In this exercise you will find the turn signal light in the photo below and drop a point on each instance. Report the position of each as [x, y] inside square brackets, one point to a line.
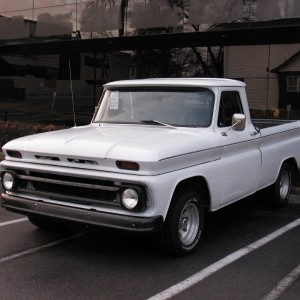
[14, 153]
[127, 165]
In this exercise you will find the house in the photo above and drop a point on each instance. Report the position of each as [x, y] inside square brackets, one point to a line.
[42, 75]
[261, 67]
[288, 74]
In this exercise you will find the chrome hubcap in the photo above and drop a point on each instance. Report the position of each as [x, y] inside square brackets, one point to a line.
[189, 224]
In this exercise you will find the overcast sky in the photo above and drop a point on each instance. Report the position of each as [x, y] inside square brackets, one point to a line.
[9, 5]
[204, 11]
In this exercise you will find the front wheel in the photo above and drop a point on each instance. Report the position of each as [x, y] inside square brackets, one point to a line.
[184, 224]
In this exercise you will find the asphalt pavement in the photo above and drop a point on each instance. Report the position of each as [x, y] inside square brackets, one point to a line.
[112, 265]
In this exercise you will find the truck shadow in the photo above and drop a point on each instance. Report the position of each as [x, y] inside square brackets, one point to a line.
[226, 230]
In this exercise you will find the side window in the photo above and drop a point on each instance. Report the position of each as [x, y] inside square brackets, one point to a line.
[230, 104]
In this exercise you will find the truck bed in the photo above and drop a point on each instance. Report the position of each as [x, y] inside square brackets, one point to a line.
[266, 123]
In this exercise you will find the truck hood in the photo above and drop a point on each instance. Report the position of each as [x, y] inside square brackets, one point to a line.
[139, 143]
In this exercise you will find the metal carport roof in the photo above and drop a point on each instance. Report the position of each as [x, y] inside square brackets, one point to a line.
[257, 33]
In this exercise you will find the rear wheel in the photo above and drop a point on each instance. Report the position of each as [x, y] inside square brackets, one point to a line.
[184, 224]
[279, 191]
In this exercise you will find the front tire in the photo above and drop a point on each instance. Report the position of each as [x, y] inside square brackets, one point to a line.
[184, 224]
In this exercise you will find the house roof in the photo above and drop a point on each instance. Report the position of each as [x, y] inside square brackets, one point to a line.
[287, 63]
[243, 24]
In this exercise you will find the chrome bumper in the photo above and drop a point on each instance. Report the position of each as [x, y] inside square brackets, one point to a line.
[70, 214]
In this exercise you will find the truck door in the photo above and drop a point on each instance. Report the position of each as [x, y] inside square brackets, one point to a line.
[241, 157]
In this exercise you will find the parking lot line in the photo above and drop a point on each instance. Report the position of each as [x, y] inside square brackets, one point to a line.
[40, 248]
[197, 277]
[13, 222]
[284, 284]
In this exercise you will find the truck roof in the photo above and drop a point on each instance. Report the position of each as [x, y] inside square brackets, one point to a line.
[202, 82]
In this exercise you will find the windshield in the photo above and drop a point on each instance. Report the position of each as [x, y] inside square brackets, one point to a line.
[177, 108]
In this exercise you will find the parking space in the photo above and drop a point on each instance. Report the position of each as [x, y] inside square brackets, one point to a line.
[105, 264]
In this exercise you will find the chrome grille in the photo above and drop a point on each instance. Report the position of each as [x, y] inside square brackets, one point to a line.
[70, 189]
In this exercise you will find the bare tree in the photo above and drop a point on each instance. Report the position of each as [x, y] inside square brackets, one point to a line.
[249, 9]
[208, 61]
[110, 3]
[193, 61]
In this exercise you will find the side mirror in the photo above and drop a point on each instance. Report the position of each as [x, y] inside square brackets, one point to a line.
[238, 123]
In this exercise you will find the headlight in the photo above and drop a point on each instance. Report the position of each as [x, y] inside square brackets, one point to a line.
[130, 198]
[8, 180]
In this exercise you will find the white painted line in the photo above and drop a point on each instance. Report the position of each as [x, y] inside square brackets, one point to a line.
[284, 284]
[196, 278]
[13, 222]
[39, 248]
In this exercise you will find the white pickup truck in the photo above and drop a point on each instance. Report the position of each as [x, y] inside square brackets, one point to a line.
[156, 154]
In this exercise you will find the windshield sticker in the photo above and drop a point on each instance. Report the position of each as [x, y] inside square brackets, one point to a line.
[114, 100]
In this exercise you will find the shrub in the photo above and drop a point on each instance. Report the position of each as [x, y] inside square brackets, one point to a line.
[10, 130]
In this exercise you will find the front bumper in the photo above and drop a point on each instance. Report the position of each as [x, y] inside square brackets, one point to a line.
[89, 217]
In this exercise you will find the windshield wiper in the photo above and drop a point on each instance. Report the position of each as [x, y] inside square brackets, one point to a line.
[157, 123]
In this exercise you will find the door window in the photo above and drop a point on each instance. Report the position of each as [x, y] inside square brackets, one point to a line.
[230, 104]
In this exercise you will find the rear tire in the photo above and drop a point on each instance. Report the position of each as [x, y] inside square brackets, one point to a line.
[184, 224]
[279, 192]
